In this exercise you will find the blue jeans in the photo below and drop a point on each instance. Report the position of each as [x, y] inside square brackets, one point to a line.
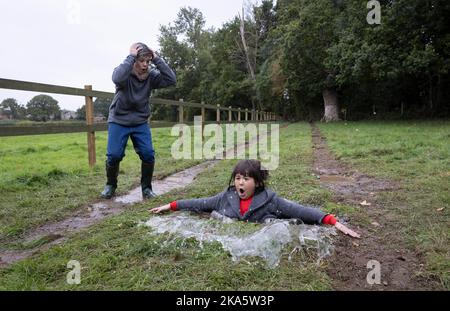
[141, 137]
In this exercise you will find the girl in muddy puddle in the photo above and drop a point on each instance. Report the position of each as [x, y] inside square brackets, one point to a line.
[248, 199]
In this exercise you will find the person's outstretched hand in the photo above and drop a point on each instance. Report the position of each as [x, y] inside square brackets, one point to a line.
[346, 230]
[160, 209]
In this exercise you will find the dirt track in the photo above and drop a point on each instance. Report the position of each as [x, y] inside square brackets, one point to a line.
[380, 240]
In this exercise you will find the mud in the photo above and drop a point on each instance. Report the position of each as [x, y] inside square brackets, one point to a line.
[348, 266]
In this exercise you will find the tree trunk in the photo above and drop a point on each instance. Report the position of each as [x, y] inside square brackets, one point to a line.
[330, 100]
[251, 67]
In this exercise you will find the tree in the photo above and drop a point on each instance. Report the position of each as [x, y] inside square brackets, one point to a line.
[254, 26]
[43, 108]
[401, 62]
[17, 111]
[309, 29]
[181, 45]
[101, 106]
[306, 59]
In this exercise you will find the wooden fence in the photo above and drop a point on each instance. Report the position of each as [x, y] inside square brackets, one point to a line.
[88, 93]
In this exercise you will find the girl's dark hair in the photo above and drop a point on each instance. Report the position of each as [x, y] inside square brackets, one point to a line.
[250, 168]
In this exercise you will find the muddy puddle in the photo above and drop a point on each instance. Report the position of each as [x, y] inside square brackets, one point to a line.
[347, 184]
[269, 242]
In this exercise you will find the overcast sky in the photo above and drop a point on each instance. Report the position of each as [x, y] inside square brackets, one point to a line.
[79, 42]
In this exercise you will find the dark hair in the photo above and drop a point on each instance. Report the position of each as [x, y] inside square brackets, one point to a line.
[250, 168]
[145, 51]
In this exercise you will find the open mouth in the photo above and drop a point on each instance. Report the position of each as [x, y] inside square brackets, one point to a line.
[241, 191]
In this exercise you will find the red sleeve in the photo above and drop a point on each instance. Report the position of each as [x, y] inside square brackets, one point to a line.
[173, 205]
[329, 220]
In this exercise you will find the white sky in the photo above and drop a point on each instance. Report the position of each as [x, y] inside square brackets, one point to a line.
[79, 42]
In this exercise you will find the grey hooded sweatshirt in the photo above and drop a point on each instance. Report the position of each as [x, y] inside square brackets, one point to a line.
[131, 106]
[265, 205]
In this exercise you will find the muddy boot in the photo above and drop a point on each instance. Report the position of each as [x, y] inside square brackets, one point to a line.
[111, 184]
[146, 180]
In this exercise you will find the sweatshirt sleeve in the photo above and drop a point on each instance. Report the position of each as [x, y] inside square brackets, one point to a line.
[123, 71]
[200, 205]
[162, 77]
[308, 215]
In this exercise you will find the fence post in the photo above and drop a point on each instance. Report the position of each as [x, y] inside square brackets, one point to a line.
[180, 120]
[90, 131]
[218, 113]
[229, 113]
[246, 114]
[203, 118]
[180, 112]
[239, 114]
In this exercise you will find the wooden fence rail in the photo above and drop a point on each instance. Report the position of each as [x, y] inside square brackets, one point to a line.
[90, 127]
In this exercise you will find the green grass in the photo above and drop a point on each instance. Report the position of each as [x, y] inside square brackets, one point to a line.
[416, 155]
[119, 254]
[44, 178]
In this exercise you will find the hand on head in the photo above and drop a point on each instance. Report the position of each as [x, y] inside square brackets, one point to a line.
[135, 48]
[140, 49]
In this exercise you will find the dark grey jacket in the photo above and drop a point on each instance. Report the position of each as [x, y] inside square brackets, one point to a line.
[266, 204]
[130, 105]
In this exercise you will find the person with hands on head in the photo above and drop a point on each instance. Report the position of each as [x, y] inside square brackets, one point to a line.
[129, 112]
[247, 199]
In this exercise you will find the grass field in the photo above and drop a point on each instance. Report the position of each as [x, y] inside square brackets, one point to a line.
[416, 155]
[117, 254]
[45, 178]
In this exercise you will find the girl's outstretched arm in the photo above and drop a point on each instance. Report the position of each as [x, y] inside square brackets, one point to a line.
[160, 209]
[196, 205]
[330, 219]
[346, 230]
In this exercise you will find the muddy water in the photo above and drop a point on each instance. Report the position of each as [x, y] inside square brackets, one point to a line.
[100, 210]
[175, 181]
[348, 184]
[270, 242]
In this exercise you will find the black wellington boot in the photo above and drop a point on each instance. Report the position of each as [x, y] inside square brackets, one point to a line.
[146, 180]
[111, 183]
